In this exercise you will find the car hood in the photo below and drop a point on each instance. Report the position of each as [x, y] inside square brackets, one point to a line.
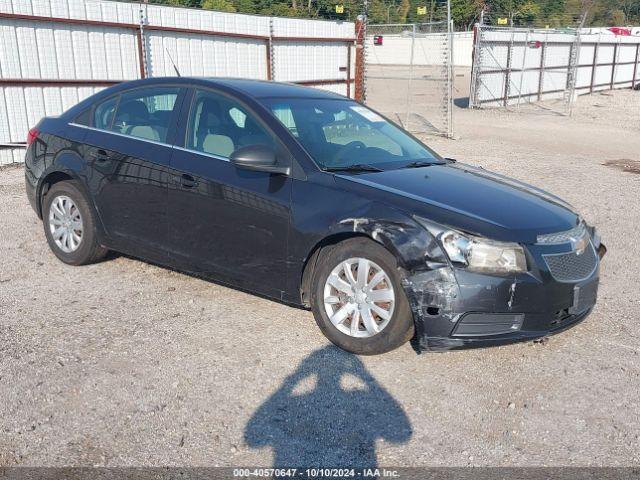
[470, 199]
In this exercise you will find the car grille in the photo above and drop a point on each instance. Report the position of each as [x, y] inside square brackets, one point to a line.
[571, 267]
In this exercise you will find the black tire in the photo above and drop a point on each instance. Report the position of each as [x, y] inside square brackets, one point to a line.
[400, 327]
[88, 251]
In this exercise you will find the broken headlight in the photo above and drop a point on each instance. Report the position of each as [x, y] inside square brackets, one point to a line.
[483, 255]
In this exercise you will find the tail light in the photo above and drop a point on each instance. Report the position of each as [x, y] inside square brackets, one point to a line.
[32, 135]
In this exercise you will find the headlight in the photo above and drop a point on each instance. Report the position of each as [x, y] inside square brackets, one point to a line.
[483, 255]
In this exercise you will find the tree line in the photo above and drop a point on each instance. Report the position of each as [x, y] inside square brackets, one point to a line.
[536, 13]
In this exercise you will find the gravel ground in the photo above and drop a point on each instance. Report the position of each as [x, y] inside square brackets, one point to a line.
[125, 363]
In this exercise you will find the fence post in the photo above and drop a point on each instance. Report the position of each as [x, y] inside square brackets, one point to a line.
[507, 75]
[269, 45]
[635, 67]
[524, 66]
[475, 76]
[413, 42]
[613, 67]
[594, 65]
[543, 52]
[450, 73]
[349, 70]
[142, 50]
[359, 93]
[572, 72]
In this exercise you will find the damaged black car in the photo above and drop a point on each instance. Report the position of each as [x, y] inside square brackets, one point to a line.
[312, 199]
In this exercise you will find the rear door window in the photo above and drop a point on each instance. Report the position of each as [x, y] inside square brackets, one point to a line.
[145, 113]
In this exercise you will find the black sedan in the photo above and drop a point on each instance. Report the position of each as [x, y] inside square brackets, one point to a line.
[312, 199]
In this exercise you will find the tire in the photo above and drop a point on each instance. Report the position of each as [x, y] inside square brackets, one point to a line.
[87, 250]
[395, 330]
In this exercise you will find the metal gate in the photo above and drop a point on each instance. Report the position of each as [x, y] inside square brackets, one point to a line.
[514, 66]
[409, 75]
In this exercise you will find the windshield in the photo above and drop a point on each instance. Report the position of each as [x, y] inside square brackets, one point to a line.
[342, 133]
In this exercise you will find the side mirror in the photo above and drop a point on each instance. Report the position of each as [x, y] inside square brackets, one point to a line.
[261, 158]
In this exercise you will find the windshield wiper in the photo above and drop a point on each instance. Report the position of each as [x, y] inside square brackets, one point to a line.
[421, 163]
[357, 167]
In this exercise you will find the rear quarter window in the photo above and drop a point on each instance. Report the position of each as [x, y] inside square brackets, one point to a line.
[84, 118]
[103, 114]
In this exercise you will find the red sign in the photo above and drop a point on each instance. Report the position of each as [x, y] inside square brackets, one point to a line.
[377, 40]
[620, 31]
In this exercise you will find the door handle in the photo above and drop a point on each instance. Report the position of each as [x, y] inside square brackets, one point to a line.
[100, 155]
[187, 181]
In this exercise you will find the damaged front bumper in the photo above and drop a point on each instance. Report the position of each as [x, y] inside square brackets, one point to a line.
[455, 308]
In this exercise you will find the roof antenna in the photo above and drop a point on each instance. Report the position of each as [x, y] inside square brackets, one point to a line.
[172, 62]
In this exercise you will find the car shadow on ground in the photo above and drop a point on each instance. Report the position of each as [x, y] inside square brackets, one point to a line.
[328, 413]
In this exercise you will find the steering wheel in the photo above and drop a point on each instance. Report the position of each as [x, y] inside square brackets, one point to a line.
[348, 149]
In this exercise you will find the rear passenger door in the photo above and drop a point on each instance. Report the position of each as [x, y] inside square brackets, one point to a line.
[224, 221]
[129, 149]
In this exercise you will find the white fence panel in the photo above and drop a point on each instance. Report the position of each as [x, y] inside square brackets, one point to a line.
[204, 55]
[47, 64]
[396, 49]
[301, 61]
[37, 50]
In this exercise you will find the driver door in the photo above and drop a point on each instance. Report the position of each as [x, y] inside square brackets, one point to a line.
[225, 222]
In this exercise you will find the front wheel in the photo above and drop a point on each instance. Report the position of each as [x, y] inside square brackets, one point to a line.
[357, 299]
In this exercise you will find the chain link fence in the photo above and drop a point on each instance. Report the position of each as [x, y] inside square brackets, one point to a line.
[515, 66]
[408, 75]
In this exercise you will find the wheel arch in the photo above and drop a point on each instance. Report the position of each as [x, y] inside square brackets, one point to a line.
[48, 181]
[319, 249]
[60, 173]
[402, 237]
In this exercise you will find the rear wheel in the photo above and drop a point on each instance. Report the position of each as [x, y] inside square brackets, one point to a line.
[357, 299]
[69, 225]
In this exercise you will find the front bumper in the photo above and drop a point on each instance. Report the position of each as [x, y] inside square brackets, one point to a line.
[454, 308]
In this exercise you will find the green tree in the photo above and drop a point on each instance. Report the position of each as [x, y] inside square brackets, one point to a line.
[465, 12]
[180, 3]
[555, 13]
[279, 10]
[219, 5]
[618, 17]
[403, 11]
[245, 6]
[377, 12]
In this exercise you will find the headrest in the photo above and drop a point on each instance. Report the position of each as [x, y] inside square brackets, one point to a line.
[209, 114]
[133, 111]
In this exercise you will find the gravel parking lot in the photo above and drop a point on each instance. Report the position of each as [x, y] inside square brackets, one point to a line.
[126, 363]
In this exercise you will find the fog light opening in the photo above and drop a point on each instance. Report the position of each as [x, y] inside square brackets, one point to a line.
[433, 311]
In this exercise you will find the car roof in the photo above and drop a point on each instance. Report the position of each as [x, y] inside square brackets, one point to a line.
[256, 89]
[248, 87]
[265, 89]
